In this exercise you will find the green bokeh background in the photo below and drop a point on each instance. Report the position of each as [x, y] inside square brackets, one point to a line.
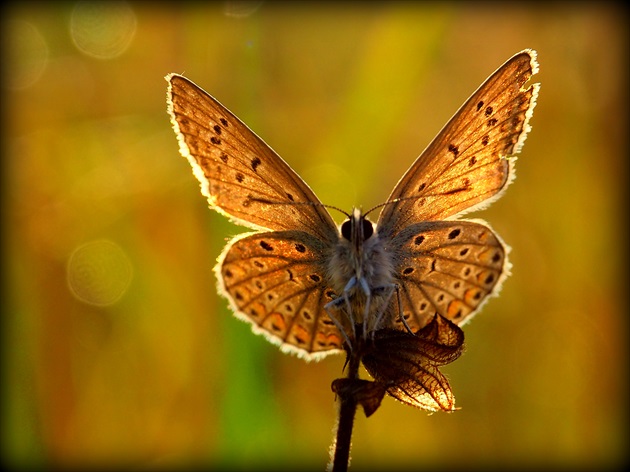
[157, 373]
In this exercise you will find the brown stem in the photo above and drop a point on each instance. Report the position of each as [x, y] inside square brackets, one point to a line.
[347, 410]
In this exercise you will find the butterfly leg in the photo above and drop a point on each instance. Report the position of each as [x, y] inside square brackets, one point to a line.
[365, 288]
[400, 310]
[346, 291]
[389, 290]
[396, 288]
[368, 301]
[345, 298]
[335, 304]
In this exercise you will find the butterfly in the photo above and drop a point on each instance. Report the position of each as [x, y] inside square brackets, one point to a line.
[307, 284]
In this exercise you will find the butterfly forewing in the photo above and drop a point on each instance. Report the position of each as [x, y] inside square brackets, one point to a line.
[465, 166]
[239, 173]
[274, 281]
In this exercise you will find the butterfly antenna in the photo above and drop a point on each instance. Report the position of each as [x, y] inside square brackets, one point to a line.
[336, 208]
[272, 202]
[395, 200]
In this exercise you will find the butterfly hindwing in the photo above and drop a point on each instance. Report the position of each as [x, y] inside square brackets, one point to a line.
[275, 282]
[446, 267]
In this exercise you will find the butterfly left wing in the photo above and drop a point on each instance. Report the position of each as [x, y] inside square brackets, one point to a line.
[465, 166]
[275, 282]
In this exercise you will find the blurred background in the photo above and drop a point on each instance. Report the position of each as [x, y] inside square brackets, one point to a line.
[117, 350]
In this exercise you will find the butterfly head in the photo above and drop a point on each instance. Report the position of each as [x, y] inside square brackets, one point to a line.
[357, 228]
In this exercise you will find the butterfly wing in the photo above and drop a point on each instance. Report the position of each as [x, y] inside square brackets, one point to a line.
[241, 176]
[446, 267]
[466, 165]
[275, 281]
[453, 267]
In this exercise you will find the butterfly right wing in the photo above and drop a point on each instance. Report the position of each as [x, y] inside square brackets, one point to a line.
[452, 267]
[275, 281]
[446, 267]
[241, 176]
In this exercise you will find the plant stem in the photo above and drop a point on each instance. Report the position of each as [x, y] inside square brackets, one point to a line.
[347, 410]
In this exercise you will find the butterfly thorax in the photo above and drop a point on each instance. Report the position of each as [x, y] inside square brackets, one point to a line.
[362, 270]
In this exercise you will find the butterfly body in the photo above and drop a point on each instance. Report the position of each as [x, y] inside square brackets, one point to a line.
[305, 283]
[361, 271]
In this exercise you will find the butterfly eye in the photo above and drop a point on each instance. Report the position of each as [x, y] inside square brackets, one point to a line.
[346, 230]
[368, 229]
[366, 225]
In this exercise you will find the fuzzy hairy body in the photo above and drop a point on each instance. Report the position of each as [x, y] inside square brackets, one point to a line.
[361, 270]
